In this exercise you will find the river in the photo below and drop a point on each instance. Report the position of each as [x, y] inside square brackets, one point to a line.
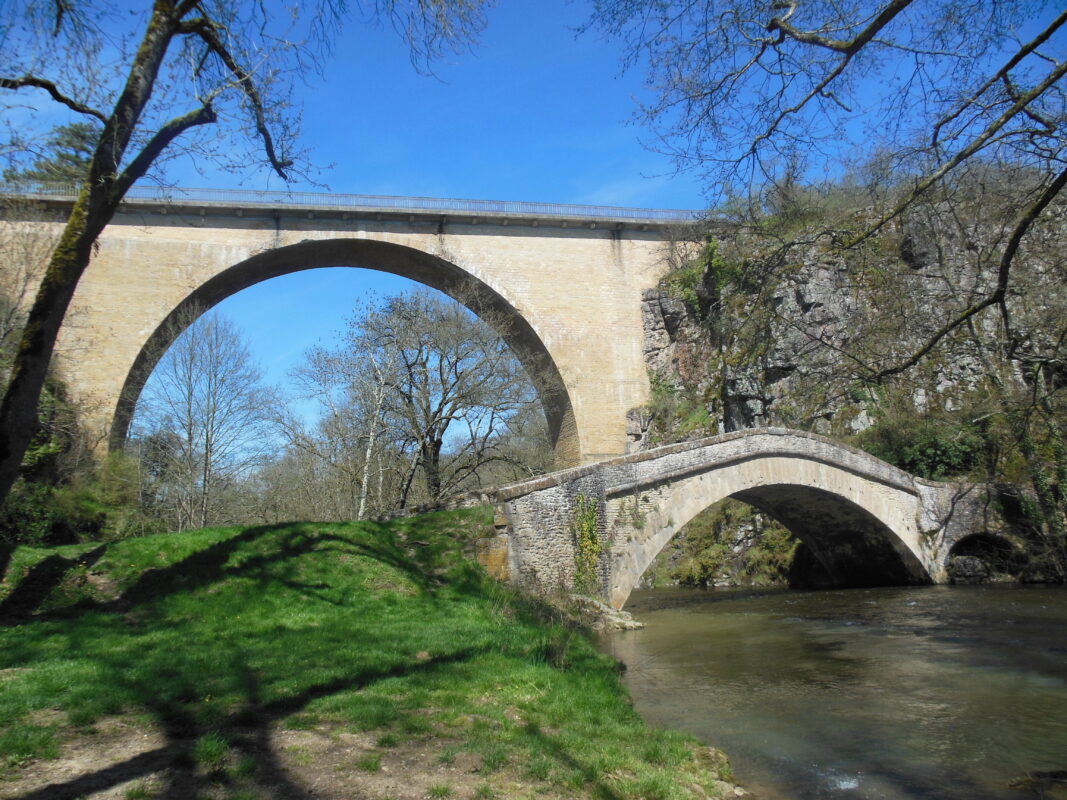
[928, 692]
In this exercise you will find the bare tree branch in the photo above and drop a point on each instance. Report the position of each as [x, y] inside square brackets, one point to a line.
[849, 47]
[245, 82]
[155, 146]
[998, 295]
[58, 96]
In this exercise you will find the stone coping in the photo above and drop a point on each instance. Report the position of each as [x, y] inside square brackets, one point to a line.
[891, 475]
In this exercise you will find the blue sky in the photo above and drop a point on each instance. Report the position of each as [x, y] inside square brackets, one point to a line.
[533, 112]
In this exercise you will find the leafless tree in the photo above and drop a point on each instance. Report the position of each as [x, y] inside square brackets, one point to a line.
[346, 444]
[205, 413]
[153, 79]
[422, 399]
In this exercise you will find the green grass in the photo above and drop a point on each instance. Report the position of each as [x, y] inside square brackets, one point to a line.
[372, 762]
[214, 636]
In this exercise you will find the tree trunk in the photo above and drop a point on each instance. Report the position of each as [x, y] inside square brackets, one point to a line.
[18, 411]
[431, 465]
[99, 197]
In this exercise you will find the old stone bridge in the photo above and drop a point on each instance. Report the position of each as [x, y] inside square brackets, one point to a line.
[866, 522]
[562, 284]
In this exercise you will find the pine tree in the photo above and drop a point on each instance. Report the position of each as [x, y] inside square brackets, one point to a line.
[65, 158]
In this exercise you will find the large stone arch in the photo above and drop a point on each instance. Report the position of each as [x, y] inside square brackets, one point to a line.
[408, 262]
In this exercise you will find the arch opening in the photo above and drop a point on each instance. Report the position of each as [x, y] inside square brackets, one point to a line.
[406, 262]
[839, 544]
[984, 557]
[843, 544]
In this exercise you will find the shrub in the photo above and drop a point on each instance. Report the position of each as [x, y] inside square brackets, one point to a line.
[927, 447]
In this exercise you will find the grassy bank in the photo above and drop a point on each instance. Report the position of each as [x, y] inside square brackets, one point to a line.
[311, 660]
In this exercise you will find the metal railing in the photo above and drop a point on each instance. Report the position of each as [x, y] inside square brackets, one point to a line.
[251, 198]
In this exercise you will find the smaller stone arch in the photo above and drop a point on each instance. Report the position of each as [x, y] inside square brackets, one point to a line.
[858, 515]
[401, 260]
[982, 556]
[869, 521]
[852, 546]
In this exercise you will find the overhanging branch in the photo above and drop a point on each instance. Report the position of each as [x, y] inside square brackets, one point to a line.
[157, 144]
[999, 295]
[244, 81]
[40, 83]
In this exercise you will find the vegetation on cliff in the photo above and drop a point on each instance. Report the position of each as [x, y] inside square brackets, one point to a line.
[359, 659]
[729, 544]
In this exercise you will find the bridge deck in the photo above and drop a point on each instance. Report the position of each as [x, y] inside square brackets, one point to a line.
[162, 199]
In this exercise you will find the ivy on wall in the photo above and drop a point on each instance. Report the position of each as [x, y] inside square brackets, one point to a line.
[587, 546]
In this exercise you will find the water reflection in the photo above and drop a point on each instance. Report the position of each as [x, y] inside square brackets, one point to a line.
[931, 692]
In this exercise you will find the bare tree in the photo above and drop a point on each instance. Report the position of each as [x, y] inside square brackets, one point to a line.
[206, 417]
[422, 399]
[455, 386]
[350, 388]
[151, 79]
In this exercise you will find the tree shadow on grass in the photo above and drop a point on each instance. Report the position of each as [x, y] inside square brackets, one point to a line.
[212, 564]
[247, 730]
[41, 580]
[171, 685]
[564, 756]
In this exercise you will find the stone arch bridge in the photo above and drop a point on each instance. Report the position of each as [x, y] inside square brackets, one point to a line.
[866, 522]
[562, 284]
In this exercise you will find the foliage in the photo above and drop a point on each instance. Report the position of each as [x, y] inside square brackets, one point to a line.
[701, 280]
[683, 282]
[730, 543]
[933, 448]
[214, 637]
[64, 159]
[63, 496]
[587, 545]
[678, 410]
[96, 503]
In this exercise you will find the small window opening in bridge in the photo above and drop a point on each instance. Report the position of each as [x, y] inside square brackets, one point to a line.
[330, 394]
[986, 558]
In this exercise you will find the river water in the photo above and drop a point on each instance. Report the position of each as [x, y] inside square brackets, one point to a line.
[927, 692]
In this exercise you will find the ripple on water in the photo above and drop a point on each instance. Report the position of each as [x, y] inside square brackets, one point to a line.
[889, 694]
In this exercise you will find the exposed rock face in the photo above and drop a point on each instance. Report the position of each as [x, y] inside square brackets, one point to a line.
[968, 569]
[779, 346]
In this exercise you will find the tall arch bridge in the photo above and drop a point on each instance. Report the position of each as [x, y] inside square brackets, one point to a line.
[561, 283]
